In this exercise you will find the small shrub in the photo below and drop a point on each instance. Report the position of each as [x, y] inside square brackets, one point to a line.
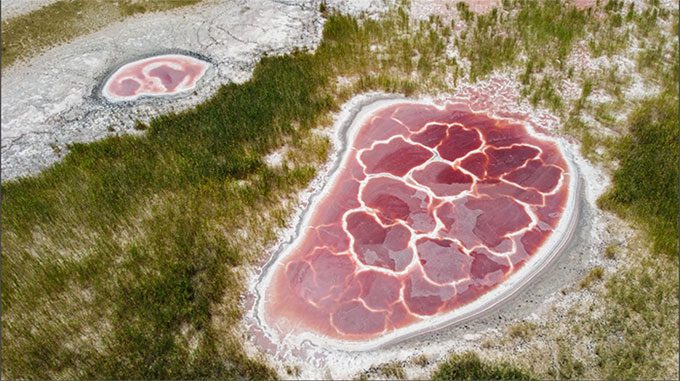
[421, 360]
[594, 275]
[610, 251]
[293, 370]
[393, 370]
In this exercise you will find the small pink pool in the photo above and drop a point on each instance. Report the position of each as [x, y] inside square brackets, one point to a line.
[430, 210]
[154, 76]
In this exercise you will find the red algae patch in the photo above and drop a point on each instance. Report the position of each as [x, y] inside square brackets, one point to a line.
[431, 213]
[154, 76]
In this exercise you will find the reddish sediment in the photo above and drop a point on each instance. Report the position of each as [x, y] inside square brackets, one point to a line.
[430, 210]
[155, 76]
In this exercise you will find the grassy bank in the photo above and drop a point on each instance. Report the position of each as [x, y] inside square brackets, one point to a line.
[32, 33]
[122, 261]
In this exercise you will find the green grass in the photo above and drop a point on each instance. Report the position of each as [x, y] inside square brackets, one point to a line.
[639, 335]
[611, 251]
[126, 247]
[645, 187]
[468, 366]
[32, 33]
[567, 366]
[617, 26]
[421, 361]
[636, 333]
[543, 31]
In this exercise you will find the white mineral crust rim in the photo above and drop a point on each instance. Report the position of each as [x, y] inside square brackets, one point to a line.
[533, 266]
[181, 88]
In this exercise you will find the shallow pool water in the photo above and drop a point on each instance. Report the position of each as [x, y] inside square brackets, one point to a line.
[154, 76]
[430, 209]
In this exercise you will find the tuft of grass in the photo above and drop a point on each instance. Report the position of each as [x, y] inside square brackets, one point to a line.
[611, 251]
[521, 330]
[140, 126]
[421, 360]
[293, 370]
[594, 275]
[392, 371]
[468, 366]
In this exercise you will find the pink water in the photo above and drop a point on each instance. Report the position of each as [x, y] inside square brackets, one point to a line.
[163, 75]
[431, 210]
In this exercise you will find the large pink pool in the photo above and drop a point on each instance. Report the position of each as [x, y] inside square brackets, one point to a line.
[430, 210]
[154, 76]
